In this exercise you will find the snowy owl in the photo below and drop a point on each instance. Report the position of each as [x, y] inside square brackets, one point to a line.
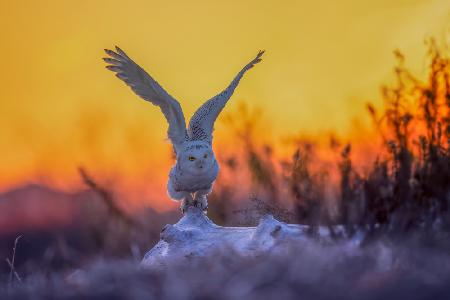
[196, 168]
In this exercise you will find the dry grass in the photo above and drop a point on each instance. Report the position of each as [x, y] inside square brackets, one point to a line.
[404, 190]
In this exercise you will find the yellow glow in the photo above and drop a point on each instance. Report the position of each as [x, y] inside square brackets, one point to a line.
[62, 109]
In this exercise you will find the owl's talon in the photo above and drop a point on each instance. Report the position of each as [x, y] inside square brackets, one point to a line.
[199, 205]
[184, 206]
[202, 204]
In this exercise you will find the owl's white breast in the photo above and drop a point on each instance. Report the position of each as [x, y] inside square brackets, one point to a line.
[185, 181]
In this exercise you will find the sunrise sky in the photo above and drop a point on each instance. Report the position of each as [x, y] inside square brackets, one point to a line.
[62, 109]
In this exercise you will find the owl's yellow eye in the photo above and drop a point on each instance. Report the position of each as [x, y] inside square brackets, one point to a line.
[191, 158]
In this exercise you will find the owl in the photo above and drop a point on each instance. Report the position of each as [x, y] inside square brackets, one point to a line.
[196, 168]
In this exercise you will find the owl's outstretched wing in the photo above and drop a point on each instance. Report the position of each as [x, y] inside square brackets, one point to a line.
[201, 124]
[148, 89]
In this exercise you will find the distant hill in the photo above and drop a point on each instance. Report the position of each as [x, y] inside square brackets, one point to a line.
[33, 207]
[60, 227]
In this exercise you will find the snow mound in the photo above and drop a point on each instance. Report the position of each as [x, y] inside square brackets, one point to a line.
[195, 235]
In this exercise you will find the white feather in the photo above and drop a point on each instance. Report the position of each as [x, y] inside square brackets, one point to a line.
[201, 125]
[148, 89]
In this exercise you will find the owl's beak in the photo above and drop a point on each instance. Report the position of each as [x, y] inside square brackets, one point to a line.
[199, 164]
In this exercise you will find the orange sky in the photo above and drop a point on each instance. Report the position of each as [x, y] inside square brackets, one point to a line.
[62, 109]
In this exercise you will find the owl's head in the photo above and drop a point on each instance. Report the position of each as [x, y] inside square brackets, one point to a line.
[196, 157]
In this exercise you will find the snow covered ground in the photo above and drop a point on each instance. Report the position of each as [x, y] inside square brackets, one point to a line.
[195, 235]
